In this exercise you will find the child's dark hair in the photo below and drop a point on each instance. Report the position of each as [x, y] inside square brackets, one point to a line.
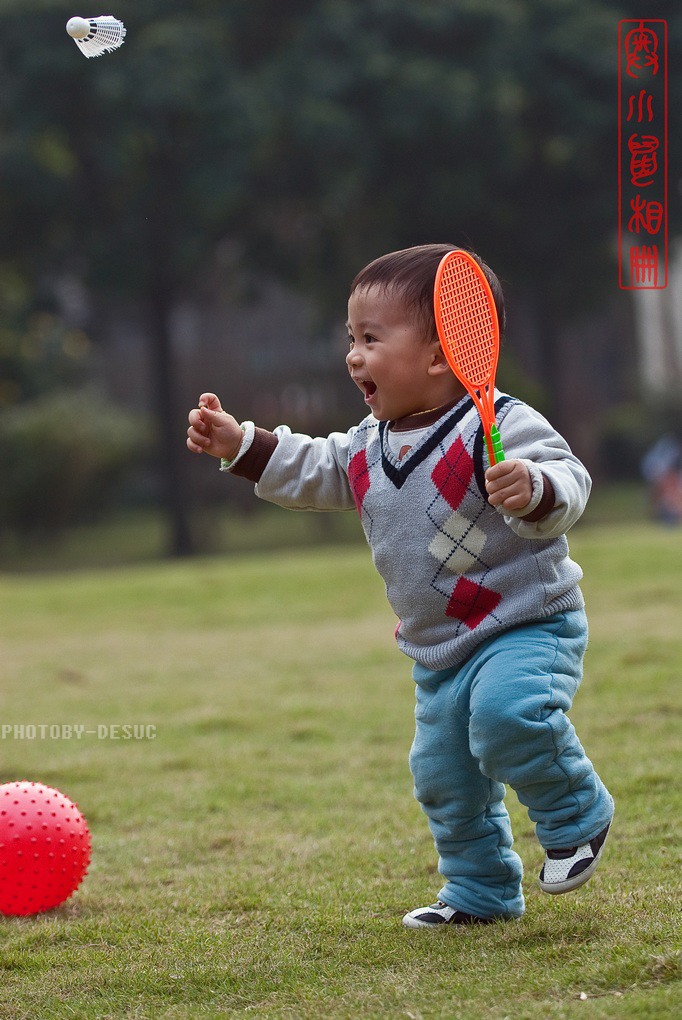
[412, 274]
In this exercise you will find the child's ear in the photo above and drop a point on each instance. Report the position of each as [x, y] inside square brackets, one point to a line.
[439, 363]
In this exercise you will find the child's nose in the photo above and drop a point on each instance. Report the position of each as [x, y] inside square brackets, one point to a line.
[353, 357]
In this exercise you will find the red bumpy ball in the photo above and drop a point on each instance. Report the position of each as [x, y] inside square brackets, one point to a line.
[45, 848]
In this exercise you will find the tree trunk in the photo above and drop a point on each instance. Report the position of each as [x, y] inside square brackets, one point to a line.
[174, 485]
[162, 248]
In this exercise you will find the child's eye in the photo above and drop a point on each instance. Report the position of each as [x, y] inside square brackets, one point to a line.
[351, 342]
[369, 339]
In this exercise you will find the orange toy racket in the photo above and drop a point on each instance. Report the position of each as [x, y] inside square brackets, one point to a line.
[469, 333]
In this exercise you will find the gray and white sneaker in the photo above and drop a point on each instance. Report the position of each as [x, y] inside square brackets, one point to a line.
[440, 913]
[568, 869]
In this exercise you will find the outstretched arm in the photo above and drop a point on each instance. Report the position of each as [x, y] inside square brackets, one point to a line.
[295, 471]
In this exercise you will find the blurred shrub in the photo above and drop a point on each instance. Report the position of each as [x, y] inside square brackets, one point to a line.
[39, 352]
[63, 458]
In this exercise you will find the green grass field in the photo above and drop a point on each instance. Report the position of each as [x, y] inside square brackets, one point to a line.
[257, 855]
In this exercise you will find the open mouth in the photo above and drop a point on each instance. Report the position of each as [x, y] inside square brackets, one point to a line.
[370, 389]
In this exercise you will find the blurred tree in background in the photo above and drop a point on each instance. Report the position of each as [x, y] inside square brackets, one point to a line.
[313, 136]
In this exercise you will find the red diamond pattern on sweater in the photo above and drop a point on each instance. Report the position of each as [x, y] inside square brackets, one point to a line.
[452, 474]
[358, 476]
[471, 603]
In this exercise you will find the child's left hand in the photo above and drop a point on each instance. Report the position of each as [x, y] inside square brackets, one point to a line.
[508, 485]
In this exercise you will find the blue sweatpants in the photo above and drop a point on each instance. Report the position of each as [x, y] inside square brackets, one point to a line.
[500, 718]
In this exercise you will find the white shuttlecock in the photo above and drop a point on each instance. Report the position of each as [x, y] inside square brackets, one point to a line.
[94, 36]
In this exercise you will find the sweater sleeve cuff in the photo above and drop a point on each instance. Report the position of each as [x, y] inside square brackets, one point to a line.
[248, 429]
[256, 450]
[542, 503]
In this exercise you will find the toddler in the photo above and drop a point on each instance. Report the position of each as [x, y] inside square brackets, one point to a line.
[478, 572]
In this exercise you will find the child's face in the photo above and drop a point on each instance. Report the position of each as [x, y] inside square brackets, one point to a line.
[390, 360]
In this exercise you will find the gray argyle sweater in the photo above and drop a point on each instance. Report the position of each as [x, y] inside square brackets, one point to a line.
[457, 571]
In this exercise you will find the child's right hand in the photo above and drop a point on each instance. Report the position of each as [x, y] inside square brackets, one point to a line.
[213, 430]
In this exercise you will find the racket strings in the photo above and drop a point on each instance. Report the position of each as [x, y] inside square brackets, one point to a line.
[467, 323]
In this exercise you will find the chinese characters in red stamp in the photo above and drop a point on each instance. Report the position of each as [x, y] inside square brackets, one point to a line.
[643, 154]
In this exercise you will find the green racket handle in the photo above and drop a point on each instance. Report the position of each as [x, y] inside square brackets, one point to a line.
[496, 442]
